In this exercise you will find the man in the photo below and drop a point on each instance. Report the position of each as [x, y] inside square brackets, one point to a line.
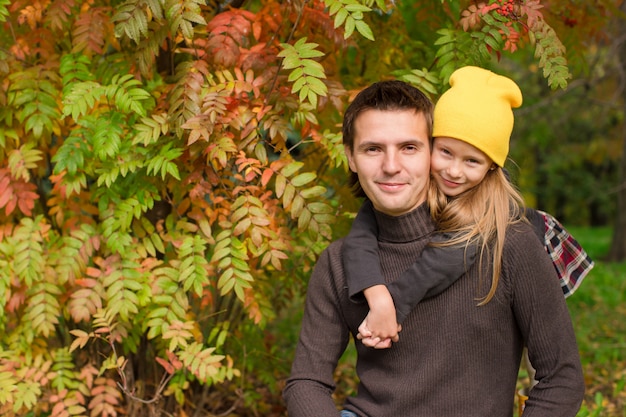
[454, 358]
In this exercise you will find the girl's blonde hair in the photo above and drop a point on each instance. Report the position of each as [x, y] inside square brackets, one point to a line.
[479, 216]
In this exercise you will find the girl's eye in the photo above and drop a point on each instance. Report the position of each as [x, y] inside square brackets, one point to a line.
[476, 162]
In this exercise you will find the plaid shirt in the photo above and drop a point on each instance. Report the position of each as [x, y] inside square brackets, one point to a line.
[570, 260]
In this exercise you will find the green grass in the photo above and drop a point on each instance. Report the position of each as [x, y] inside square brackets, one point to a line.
[598, 311]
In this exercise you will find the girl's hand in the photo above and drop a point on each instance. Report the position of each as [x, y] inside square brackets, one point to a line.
[379, 329]
[365, 336]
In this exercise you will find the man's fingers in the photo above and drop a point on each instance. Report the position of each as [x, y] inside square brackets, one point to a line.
[370, 341]
[376, 342]
[363, 330]
[384, 344]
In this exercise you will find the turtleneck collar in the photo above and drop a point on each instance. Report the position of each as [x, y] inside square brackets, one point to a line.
[405, 228]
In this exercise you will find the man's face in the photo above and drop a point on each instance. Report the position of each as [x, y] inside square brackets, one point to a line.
[391, 157]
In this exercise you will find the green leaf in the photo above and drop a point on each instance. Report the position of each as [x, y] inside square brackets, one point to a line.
[313, 68]
[341, 17]
[296, 74]
[317, 86]
[302, 179]
[364, 29]
[349, 27]
[313, 192]
[81, 98]
[26, 396]
[291, 168]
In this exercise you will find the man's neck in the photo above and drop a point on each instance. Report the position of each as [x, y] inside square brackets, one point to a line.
[405, 228]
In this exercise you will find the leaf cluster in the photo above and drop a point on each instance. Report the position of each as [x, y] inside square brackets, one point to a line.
[170, 171]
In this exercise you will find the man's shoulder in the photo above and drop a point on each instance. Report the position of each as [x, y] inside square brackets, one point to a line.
[522, 235]
[335, 246]
[332, 251]
[329, 265]
[520, 230]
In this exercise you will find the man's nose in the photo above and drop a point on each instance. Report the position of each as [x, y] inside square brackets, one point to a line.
[391, 162]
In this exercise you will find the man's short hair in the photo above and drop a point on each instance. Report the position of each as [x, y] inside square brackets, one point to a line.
[386, 95]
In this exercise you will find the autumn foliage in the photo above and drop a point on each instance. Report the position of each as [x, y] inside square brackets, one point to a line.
[170, 170]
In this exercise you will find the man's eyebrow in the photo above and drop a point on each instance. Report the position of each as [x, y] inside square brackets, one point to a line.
[415, 142]
[369, 143]
[418, 142]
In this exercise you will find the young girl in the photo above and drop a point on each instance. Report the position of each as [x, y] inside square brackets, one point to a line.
[472, 202]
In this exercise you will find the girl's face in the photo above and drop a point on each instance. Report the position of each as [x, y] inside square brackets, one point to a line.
[457, 166]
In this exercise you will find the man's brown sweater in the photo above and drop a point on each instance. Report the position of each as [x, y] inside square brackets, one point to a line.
[454, 358]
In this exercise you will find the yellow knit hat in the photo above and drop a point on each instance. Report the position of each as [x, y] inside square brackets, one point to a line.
[477, 109]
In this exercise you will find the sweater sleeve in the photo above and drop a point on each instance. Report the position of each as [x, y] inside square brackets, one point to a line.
[323, 338]
[543, 319]
[434, 271]
[360, 255]
[437, 268]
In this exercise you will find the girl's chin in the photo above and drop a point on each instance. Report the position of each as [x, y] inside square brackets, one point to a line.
[450, 191]
[454, 193]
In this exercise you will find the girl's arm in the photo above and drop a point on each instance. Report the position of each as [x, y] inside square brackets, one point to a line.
[431, 274]
[360, 254]
[365, 280]
[437, 268]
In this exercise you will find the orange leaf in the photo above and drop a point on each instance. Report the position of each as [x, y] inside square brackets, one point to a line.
[93, 272]
[6, 196]
[267, 176]
[10, 206]
[166, 365]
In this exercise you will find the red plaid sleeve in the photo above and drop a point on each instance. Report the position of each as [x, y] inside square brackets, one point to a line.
[570, 260]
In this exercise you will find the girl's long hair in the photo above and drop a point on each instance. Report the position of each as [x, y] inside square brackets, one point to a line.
[479, 216]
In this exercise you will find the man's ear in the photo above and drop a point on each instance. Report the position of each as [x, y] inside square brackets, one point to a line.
[350, 157]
